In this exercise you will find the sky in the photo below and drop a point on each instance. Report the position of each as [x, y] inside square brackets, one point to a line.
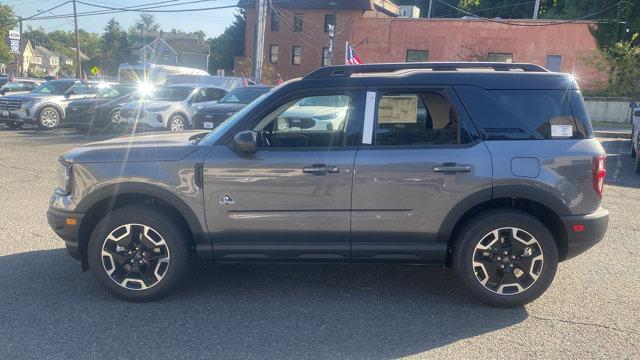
[212, 22]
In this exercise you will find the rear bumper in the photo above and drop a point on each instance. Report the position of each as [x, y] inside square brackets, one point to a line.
[69, 233]
[593, 225]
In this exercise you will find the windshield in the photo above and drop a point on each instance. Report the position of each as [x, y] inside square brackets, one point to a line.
[172, 93]
[243, 95]
[214, 135]
[53, 87]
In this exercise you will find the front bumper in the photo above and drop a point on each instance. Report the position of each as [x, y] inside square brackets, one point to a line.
[62, 224]
[20, 116]
[584, 231]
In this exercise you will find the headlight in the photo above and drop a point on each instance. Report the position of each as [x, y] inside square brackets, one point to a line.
[63, 186]
[158, 109]
[29, 103]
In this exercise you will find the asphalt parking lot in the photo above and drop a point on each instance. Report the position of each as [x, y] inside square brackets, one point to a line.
[50, 309]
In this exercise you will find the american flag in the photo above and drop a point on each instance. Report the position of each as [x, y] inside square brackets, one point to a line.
[351, 57]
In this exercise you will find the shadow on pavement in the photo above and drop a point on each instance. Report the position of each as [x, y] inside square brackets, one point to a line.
[50, 309]
[620, 164]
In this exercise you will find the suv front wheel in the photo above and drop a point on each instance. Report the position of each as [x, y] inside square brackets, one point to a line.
[48, 118]
[138, 253]
[505, 257]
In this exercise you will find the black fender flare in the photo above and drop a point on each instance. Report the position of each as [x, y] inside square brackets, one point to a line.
[498, 192]
[200, 235]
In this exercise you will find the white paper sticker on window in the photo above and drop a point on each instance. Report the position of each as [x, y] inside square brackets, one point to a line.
[398, 109]
[561, 130]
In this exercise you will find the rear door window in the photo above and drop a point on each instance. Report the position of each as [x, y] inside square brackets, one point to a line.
[421, 118]
[522, 114]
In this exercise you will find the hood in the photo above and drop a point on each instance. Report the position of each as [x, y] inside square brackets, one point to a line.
[161, 146]
[147, 104]
[27, 96]
[219, 108]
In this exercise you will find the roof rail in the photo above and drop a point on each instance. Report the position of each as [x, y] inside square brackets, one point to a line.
[345, 71]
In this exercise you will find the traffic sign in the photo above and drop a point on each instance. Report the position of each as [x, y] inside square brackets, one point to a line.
[95, 70]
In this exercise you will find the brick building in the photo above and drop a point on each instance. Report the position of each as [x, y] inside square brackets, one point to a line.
[296, 38]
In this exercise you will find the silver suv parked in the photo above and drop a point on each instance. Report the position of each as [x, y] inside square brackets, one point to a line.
[168, 107]
[492, 171]
[45, 105]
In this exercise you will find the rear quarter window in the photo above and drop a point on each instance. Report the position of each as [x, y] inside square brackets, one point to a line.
[524, 114]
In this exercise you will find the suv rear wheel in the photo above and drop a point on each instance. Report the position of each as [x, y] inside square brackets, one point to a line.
[505, 257]
[138, 253]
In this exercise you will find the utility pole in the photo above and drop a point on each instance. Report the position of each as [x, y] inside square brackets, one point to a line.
[19, 56]
[536, 8]
[258, 40]
[75, 24]
[429, 11]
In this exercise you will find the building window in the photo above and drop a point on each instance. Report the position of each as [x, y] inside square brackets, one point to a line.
[297, 22]
[500, 57]
[417, 55]
[554, 62]
[275, 21]
[326, 57]
[273, 54]
[329, 19]
[296, 55]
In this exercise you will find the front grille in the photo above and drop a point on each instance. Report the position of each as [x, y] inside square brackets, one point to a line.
[10, 104]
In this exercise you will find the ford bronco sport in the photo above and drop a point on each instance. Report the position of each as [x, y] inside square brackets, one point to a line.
[489, 168]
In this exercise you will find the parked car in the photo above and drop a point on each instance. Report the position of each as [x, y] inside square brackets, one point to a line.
[44, 105]
[19, 85]
[209, 115]
[501, 188]
[225, 82]
[167, 108]
[101, 112]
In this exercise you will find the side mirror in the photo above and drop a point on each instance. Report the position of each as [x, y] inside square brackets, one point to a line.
[245, 142]
[636, 112]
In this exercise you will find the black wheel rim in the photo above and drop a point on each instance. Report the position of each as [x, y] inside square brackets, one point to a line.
[135, 256]
[507, 261]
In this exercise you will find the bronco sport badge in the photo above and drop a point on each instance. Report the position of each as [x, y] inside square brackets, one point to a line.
[226, 200]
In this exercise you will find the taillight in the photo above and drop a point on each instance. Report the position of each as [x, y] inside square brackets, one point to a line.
[599, 173]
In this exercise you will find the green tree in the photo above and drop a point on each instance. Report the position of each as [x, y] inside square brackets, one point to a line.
[115, 47]
[146, 22]
[621, 61]
[7, 22]
[228, 45]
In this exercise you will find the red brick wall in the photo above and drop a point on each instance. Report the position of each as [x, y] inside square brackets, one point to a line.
[383, 39]
[312, 38]
[387, 40]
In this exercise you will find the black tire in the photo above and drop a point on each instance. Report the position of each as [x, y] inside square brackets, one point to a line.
[48, 118]
[177, 122]
[113, 119]
[14, 126]
[465, 254]
[636, 167]
[177, 251]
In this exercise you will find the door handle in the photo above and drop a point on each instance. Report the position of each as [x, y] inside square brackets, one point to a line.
[321, 169]
[451, 167]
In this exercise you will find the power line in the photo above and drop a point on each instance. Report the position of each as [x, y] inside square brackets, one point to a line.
[53, 8]
[525, 24]
[102, 12]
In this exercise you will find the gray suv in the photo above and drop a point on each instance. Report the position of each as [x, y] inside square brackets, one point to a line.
[491, 169]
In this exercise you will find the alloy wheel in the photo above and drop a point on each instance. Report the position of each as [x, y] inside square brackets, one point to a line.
[177, 124]
[115, 117]
[49, 118]
[507, 261]
[135, 256]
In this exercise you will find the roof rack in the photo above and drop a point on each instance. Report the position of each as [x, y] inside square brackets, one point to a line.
[344, 71]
